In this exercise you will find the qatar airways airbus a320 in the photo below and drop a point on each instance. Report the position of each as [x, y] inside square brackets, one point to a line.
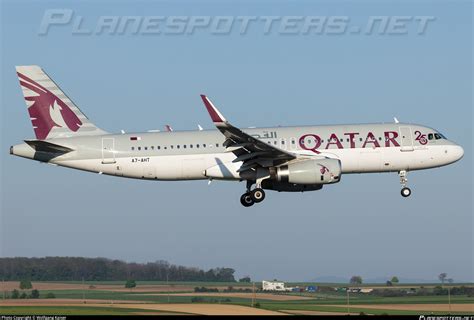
[301, 158]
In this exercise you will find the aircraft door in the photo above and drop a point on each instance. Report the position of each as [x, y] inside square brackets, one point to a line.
[406, 139]
[108, 152]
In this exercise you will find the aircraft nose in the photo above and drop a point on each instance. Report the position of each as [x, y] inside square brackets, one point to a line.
[457, 152]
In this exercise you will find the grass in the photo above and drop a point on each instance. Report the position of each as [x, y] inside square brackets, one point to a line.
[138, 296]
[319, 301]
[343, 309]
[162, 283]
[74, 310]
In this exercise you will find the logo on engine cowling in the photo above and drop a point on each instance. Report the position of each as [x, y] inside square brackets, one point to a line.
[323, 169]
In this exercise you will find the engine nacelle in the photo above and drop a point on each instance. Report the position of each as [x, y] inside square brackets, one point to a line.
[308, 172]
[270, 184]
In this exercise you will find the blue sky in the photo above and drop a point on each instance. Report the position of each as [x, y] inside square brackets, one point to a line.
[140, 82]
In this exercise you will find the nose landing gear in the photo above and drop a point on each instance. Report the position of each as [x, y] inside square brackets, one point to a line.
[405, 192]
[251, 197]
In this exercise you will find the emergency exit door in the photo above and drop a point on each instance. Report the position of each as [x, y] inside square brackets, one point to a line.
[406, 139]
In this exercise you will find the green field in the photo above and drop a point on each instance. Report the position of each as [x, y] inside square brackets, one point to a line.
[319, 301]
[85, 310]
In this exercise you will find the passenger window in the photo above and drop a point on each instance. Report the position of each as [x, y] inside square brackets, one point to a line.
[177, 147]
[191, 146]
[184, 146]
[158, 147]
[204, 145]
[171, 146]
[217, 145]
[166, 148]
[133, 148]
[293, 141]
[139, 148]
[146, 148]
[197, 145]
[430, 136]
[152, 147]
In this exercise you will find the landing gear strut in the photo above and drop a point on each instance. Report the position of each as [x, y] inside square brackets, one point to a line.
[251, 197]
[405, 192]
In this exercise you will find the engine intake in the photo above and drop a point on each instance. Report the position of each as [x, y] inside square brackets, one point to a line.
[308, 172]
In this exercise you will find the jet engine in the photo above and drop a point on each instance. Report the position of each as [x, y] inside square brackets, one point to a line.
[308, 172]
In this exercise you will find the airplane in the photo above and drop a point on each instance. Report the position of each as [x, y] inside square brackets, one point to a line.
[286, 159]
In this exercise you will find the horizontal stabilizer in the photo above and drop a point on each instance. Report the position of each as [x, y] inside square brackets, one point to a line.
[43, 146]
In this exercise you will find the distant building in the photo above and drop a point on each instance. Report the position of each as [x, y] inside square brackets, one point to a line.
[274, 286]
[360, 290]
[311, 288]
[366, 290]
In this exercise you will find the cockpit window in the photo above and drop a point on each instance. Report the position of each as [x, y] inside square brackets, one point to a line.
[430, 136]
[437, 136]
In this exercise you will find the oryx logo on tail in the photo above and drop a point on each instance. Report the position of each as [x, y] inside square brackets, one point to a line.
[47, 110]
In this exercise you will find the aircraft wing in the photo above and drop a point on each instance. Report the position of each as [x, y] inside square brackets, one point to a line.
[252, 151]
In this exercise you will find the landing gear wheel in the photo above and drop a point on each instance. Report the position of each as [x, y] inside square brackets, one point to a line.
[246, 200]
[406, 192]
[258, 195]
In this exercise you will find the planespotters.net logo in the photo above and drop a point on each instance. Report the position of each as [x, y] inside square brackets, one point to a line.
[303, 25]
[446, 317]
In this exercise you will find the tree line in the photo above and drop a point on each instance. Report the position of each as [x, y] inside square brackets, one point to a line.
[103, 269]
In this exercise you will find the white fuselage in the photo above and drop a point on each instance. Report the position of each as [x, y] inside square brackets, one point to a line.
[191, 155]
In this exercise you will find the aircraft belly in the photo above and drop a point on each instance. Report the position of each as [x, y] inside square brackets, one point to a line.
[370, 160]
[194, 167]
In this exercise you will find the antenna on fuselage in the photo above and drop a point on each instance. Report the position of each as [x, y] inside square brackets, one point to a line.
[396, 120]
[199, 127]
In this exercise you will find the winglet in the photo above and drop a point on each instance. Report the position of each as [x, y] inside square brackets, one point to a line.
[216, 116]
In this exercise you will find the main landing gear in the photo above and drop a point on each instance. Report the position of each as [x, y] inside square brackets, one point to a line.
[405, 192]
[251, 197]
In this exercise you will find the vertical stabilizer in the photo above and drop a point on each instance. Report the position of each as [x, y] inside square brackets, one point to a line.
[52, 113]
